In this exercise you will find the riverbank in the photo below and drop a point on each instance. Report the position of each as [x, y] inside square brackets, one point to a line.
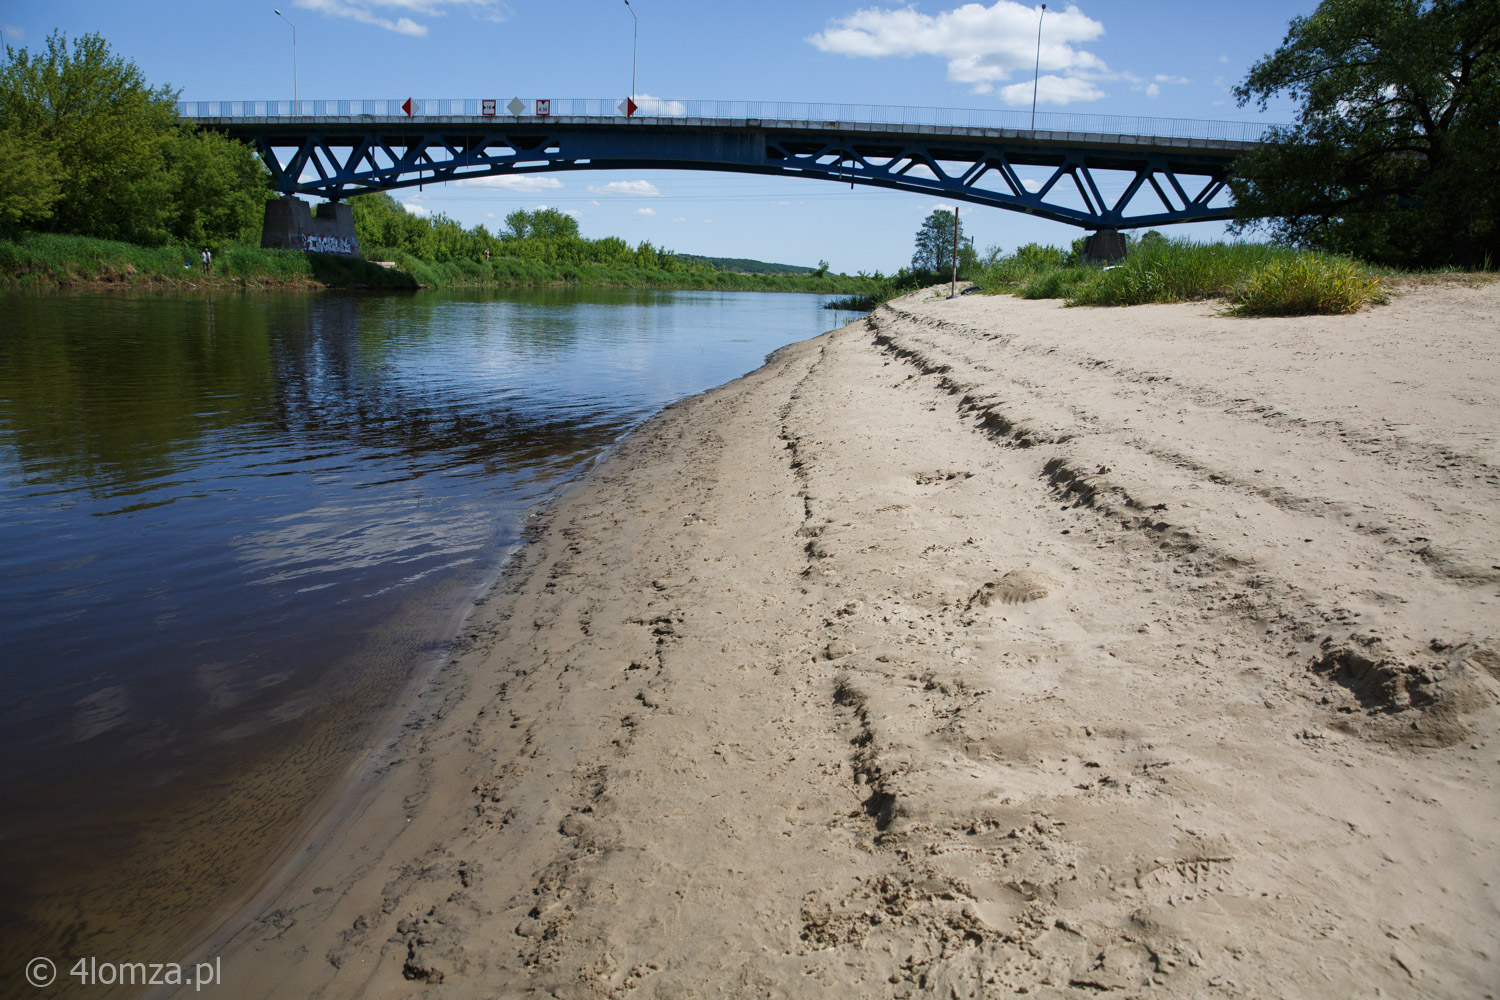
[41, 262]
[981, 647]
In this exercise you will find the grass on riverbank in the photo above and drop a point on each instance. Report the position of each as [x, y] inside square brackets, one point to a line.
[883, 288]
[1255, 279]
[516, 272]
[49, 261]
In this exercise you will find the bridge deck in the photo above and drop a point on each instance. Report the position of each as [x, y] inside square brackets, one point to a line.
[1042, 137]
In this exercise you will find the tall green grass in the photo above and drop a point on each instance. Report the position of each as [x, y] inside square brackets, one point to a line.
[1256, 278]
[1015, 271]
[1176, 271]
[1304, 285]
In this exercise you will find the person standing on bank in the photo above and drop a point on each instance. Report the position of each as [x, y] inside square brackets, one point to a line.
[208, 261]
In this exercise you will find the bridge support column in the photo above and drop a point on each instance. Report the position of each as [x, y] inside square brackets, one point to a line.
[290, 225]
[1107, 246]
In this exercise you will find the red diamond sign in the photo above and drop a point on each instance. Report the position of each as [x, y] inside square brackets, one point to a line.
[628, 107]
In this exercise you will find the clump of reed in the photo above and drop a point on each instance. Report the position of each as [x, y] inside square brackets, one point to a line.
[1256, 279]
[1307, 285]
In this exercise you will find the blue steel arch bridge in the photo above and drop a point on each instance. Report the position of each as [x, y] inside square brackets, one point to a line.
[1097, 172]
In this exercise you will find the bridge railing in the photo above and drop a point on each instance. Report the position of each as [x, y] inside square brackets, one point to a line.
[737, 111]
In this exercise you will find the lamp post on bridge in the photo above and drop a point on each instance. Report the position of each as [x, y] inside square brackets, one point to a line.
[634, 44]
[1036, 72]
[295, 102]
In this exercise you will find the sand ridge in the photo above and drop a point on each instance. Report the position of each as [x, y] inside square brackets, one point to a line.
[982, 647]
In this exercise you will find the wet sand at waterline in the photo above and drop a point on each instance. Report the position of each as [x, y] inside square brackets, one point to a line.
[981, 647]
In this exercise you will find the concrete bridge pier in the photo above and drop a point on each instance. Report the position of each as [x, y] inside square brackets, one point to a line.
[290, 225]
[1106, 246]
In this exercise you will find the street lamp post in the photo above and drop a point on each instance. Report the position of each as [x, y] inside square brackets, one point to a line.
[294, 60]
[634, 43]
[1036, 72]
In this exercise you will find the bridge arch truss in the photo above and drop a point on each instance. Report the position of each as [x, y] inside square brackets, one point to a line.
[1051, 174]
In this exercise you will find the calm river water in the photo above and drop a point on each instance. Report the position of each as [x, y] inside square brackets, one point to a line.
[233, 527]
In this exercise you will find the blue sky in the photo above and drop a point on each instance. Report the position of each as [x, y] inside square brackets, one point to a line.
[1114, 57]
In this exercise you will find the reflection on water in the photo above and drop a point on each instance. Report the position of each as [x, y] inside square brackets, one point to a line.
[232, 527]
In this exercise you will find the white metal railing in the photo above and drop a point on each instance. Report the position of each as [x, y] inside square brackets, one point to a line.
[738, 111]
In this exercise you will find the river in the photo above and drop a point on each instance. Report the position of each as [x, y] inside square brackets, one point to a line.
[234, 527]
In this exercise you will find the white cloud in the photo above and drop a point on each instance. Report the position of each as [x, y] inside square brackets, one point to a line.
[415, 209]
[363, 13]
[638, 189]
[680, 218]
[645, 211]
[658, 106]
[983, 45]
[1224, 60]
[1052, 90]
[512, 182]
[13, 33]
[1168, 78]
[372, 12]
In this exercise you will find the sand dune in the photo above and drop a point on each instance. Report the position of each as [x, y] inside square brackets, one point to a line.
[981, 648]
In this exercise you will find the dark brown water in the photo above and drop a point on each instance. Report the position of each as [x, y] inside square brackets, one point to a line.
[233, 528]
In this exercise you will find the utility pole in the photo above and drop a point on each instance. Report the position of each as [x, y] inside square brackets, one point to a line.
[953, 286]
[1037, 70]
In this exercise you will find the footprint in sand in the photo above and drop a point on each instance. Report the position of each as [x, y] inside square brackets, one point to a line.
[1016, 587]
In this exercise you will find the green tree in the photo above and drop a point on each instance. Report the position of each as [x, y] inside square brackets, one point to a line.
[110, 151]
[380, 221]
[220, 188]
[106, 128]
[1394, 138]
[934, 250]
[30, 183]
[542, 224]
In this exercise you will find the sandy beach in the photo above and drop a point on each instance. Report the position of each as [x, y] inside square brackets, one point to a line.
[983, 647]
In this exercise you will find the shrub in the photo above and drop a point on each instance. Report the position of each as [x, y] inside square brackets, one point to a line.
[1308, 284]
[1057, 283]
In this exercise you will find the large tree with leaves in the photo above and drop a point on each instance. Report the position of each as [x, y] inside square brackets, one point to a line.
[934, 247]
[543, 224]
[105, 154]
[1393, 154]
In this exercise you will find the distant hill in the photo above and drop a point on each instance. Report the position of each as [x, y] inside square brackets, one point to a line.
[743, 266]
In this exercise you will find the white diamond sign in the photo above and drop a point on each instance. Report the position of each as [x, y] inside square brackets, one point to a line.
[516, 106]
